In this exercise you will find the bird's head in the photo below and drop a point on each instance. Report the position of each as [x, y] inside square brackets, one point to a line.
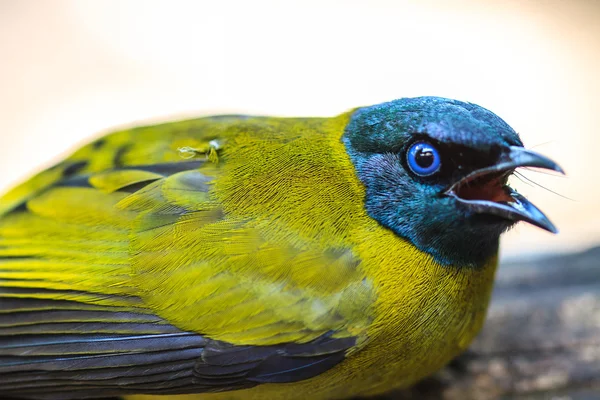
[435, 172]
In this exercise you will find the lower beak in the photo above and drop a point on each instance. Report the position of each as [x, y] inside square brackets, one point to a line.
[484, 191]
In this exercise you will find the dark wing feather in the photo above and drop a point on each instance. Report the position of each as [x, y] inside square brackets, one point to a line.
[243, 366]
[60, 349]
[98, 352]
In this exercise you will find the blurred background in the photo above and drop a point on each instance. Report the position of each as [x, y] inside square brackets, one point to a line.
[71, 70]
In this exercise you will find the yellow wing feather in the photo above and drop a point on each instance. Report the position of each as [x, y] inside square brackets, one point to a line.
[203, 242]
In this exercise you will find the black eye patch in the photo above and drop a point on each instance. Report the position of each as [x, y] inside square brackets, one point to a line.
[456, 160]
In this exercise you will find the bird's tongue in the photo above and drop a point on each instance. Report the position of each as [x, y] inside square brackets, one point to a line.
[484, 188]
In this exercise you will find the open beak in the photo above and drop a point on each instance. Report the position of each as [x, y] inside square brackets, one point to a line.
[485, 191]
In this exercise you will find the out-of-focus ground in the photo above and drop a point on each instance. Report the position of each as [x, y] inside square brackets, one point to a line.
[70, 69]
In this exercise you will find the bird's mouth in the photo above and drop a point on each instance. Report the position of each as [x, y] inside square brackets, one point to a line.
[485, 191]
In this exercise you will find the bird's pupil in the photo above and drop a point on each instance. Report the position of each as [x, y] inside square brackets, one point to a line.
[424, 158]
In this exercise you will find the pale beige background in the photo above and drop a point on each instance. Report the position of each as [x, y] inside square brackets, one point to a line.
[72, 69]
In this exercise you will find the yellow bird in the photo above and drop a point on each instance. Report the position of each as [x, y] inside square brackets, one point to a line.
[238, 257]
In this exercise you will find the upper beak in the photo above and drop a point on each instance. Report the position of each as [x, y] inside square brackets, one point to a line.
[484, 191]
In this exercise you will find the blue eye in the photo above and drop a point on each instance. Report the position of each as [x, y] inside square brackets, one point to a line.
[423, 159]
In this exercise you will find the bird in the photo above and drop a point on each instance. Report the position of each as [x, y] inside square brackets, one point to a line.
[254, 257]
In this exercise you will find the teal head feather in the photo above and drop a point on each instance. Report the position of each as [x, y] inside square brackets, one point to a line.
[435, 172]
